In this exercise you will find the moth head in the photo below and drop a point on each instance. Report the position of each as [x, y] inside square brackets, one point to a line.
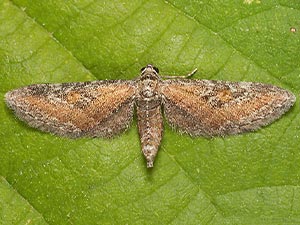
[150, 68]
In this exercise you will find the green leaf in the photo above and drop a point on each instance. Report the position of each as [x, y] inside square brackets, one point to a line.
[252, 178]
[14, 209]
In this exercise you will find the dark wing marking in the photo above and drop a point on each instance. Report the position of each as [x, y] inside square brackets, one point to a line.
[210, 108]
[96, 109]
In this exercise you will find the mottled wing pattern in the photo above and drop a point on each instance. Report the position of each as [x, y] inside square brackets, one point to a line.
[95, 109]
[217, 108]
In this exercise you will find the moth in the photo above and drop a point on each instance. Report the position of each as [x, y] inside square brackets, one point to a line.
[105, 108]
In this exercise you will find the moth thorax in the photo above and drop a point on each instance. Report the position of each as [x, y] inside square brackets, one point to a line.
[148, 87]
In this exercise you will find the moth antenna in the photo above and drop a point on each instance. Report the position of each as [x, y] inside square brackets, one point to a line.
[183, 77]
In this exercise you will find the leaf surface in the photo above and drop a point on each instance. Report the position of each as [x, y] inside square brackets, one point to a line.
[251, 178]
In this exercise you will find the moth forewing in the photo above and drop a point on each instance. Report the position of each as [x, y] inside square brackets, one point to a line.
[93, 109]
[219, 108]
